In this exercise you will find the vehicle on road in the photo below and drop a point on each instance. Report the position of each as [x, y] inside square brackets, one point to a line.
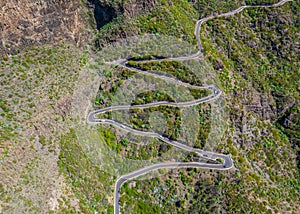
[225, 162]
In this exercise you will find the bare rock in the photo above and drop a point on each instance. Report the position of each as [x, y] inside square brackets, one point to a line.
[25, 22]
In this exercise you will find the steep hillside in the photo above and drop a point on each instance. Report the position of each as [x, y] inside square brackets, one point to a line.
[52, 75]
[261, 52]
[255, 55]
[41, 59]
[25, 23]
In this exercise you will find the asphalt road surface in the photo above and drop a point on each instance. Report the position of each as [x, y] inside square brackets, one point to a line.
[226, 161]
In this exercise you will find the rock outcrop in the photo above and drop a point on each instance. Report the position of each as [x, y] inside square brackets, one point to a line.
[25, 22]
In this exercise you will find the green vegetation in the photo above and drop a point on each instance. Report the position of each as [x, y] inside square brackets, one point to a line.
[31, 85]
[88, 181]
[132, 150]
[36, 90]
[174, 68]
[145, 57]
[199, 93]
[143, 152]
[38, 73]
[204, 125]
[213, 7]
[140, 119]
[165, 18]
[266, 59]
[151, 97]
[109, 85]
[175, 192]
[206, 9]
[254, 56]
[271, 64]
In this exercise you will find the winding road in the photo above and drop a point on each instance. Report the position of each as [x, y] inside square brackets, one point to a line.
[226, 163]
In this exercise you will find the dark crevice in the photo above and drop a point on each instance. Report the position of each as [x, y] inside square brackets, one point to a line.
[104, 13]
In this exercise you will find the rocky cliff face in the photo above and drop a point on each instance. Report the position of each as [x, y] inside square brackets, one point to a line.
[104, 12]
[119, 14]
[27, 22]
[133, 8]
